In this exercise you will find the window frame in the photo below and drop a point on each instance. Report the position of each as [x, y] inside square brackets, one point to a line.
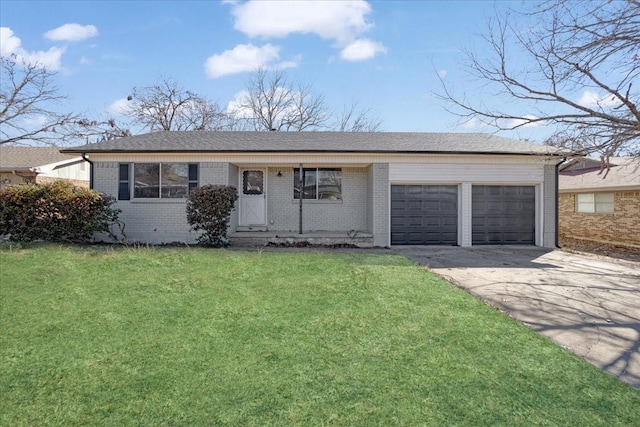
[317, 193]
[594, 203]
[127, 180]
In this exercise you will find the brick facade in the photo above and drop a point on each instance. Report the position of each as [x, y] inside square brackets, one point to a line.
[622, 227]
[347, 214]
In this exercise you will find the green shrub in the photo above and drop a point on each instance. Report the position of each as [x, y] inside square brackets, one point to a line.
[209, 209]
[57, 211]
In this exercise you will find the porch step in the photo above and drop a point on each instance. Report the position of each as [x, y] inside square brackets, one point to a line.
[257, 228]
[283, 238]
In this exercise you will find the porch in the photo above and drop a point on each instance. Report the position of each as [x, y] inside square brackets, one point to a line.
[361, 239]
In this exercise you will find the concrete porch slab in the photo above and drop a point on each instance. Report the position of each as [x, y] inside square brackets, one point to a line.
[316, 238]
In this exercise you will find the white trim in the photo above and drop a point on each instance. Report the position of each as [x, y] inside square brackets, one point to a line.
[539, 215]
[241, 195]
[327, 159]
[47, 168]
[466, 221]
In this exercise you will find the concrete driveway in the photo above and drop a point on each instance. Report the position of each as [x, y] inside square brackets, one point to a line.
[585, 303]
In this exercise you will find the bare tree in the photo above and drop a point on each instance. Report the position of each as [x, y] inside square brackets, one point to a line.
[27, 101]
[271, 102]
[581, 60]
[354, 119]
[166, 106]
[86, 130]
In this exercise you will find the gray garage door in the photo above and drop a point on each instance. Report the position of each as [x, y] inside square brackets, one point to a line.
[424, 215]
[503, 215]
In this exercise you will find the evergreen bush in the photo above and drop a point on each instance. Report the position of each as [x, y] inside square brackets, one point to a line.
[209, 209]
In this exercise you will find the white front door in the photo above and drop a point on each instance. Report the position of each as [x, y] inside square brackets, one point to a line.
[252, 197]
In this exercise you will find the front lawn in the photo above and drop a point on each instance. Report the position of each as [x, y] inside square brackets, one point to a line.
[193, 336]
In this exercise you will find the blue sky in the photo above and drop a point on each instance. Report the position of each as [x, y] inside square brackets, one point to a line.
[385, 55]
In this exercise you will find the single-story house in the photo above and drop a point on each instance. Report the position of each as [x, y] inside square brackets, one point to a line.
[41, 164]
[378, 189]
[598, 204]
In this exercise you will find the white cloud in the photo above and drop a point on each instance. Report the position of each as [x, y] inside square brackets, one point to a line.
[10, 44]
[333, 20]
[38, 120]
[235, 108]
[472, 123]
[512, 123]
[361, 50]
[442, 73]
[591, 99]
[341, 21]
[120, 106]
[71, 32]
[244, 58]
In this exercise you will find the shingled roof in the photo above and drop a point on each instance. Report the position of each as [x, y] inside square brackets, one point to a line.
[25, 158]
[623, 174]
[318, 142]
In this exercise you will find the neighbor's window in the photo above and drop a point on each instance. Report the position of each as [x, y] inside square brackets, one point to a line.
[595, 202]
[164, 180]
[318, 184]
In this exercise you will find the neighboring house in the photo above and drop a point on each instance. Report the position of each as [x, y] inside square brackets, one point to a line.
[600, 205]
[384, 188]
[41, 164]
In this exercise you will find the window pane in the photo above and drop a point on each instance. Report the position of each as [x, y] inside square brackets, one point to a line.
[252, 182]
[175, 178]
[585, 203]
[193, 172]
[124, 191]
[604, 198]
[330, 184]
[296, 183]
[585, 198]
[309, 190]
[604, 202]
[146, 180]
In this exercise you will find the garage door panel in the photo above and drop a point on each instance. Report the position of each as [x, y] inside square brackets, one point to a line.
[424, 214]
[503, 215]
[431, 205]
[415, 221]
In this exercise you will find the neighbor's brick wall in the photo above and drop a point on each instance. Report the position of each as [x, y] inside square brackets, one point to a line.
[620, 227]
[348, 214]
[155, 221]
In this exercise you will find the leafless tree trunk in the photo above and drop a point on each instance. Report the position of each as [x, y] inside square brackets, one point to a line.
[582, 59]
[27, 101]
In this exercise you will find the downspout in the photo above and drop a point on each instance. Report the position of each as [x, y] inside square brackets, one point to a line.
[300, 194]
[84, 157]
[557, 189]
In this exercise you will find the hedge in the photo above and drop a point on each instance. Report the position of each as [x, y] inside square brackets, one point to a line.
[57, 211]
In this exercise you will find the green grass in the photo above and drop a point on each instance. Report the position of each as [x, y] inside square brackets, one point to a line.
[192, 336]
